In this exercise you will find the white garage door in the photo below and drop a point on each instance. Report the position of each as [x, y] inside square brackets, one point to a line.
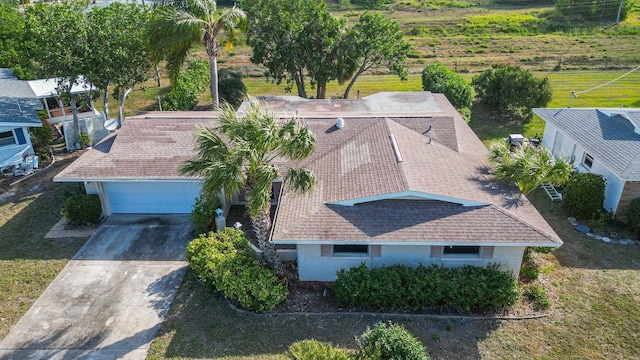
[151, 197]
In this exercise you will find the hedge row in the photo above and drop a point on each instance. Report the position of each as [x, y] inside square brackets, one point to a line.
[225, 261]
[399, 287]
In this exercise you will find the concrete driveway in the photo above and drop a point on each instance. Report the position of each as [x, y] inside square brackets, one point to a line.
[110, 299]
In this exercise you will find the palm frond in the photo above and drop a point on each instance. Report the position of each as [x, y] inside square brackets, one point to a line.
[300, 180]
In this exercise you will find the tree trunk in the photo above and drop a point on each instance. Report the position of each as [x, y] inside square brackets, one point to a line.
[158, 76]
[121, 107]
[353, 80]
[321, 91]
[76, 122]
[105, 101]
[213, 67]
[261, 225]
[299, 79]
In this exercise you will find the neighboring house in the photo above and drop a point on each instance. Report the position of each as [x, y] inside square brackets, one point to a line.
[404, 180]
[18, 109]
[599, 141]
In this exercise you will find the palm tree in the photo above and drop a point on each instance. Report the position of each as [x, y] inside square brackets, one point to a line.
[238, 156]
[527, 166]
[184, 23]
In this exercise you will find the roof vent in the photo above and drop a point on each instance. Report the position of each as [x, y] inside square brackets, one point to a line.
[339, 123]
[396, 149]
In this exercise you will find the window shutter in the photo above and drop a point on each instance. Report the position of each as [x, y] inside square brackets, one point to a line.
[436, 252]
[375, 250]
[325, 250]
[487, 252]
[20, 136]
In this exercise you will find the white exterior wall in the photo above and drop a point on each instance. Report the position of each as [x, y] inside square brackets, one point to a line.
[8, 151]
[614, 186]
[314, 267]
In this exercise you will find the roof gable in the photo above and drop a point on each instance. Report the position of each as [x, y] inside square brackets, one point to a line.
[18, 104]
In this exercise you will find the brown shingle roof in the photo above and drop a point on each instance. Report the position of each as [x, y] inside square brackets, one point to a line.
[148, 146]
[442, 160]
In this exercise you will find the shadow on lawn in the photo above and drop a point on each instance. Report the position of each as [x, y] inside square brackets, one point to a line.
[22, 236]
[200, 324]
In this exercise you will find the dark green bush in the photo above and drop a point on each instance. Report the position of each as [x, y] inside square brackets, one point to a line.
[511, 90]
[225, 261]
[529, 272]
[315, 350]
[82, 209]
[203, 214]
[41, 138]
[538, 296]
[398, 287]
[584, 195]
[231, 88]
[437, 78]
[390, 342]
[632, 219]
[189, 86]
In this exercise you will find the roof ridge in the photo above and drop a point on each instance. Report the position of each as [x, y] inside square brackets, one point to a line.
[516, 218]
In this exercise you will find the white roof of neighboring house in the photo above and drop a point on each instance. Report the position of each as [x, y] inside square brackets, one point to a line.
[609, 135]
[44, 88]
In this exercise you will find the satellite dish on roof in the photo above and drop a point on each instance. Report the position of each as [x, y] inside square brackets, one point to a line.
[111, 124]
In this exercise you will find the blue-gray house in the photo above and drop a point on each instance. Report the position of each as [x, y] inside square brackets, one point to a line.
[18, 105]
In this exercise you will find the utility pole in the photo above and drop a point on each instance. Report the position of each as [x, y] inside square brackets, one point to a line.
[619, 11]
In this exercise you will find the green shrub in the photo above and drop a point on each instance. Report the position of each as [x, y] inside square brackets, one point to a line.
[82, 209]
[203, 215]
[529, 272]
[225, 261]
[437, 78]
[390, 342]
[538, 296]
[315, 350]
[632, 219]
[584, 195]
[84, 140]
[231, 88]
[399, 287]
[41, 138]
[511, 90]
[189, 86]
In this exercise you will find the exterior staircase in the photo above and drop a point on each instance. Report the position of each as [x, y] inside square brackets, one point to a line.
[551, 191]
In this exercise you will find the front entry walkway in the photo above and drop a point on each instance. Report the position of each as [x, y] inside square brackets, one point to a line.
[110, 299]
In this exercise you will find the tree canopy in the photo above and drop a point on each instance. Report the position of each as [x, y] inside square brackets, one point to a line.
[296, 39]
[511, 90]
[377, 41]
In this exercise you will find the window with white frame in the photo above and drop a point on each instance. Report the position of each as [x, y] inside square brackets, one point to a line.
[587, 161]
[7, 138]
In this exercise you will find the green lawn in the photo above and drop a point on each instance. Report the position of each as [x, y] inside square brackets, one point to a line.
[28, 261]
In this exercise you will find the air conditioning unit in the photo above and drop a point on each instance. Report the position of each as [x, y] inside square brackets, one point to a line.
[516, 139]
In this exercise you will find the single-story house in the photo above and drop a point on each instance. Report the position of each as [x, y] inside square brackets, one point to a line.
[17, 114]
[401, 179]
[601, 141]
